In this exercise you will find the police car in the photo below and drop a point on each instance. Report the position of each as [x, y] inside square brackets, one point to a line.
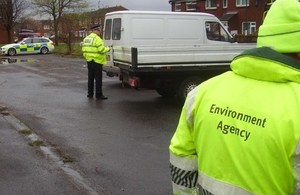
[41, 45]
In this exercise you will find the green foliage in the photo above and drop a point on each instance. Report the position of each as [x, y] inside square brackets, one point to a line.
[62, 48]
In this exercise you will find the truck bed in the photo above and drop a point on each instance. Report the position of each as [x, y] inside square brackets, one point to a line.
[155, 58]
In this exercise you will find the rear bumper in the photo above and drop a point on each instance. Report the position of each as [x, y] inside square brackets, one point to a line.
[111, 70]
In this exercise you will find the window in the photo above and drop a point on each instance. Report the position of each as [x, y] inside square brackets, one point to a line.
[36, 40]
[215, 32]
[45, 40]
[112, 29]
[248, 28]
[82, 33]
[177, 7]
[242, 3]
[107, 30]
[116, 29]
[210, 4]
[46, 27]
[191, 6]
[28, 41]
[225, 23]
[225, 3]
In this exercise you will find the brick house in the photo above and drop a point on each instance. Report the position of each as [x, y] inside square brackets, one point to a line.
[239, 16]
[45, 28]
[42, 27]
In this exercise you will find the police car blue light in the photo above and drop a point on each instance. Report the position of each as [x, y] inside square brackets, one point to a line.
[41, 45]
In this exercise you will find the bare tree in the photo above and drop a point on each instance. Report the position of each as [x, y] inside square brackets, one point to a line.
[10, 12]
[56, 8]
[69, 22]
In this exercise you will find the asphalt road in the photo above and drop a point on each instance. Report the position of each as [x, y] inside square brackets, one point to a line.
[118, 146]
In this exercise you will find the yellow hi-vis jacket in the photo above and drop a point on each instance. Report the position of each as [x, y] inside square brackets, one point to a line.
[239, 132]
[93, 49]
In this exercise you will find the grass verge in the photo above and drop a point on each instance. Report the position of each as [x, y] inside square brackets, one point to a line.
[62, 48]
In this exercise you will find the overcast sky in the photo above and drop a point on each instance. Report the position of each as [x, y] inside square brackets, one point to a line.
[151, 5]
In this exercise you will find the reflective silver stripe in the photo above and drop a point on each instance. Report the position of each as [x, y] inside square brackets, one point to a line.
[103, 49]
[90, 52]
[184, 178]
[185, 163]
[217, 187]
[88, 46]
[180, 190]
[297, 168]
[190, 100]
[184, 174]
[203, 191]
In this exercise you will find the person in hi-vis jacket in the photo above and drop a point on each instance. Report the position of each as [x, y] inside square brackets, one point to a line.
[94, 52]
[239, 132]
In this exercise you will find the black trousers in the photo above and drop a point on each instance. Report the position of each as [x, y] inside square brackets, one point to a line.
[94, 75]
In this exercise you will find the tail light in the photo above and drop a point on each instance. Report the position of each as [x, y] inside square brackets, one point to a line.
[133, 82]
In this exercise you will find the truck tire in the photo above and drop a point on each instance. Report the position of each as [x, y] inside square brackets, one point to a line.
[166, 92]
[186, 86]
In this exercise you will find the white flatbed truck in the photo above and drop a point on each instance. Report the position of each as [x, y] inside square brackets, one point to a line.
[170, 52]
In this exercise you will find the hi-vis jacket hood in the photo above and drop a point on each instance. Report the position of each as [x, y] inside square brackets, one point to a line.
[267, 65]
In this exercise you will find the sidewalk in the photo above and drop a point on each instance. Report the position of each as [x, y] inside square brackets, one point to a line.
[25, 169]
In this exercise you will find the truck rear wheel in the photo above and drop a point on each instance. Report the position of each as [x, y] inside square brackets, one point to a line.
[186, 86]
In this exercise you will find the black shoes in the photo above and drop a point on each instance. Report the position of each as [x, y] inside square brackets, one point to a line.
[102, 98]
[97, 98]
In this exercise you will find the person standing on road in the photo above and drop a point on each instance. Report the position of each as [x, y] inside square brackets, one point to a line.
[239, 132]
[94, 52]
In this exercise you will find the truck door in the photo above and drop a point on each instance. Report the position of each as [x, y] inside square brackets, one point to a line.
[112, 34]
